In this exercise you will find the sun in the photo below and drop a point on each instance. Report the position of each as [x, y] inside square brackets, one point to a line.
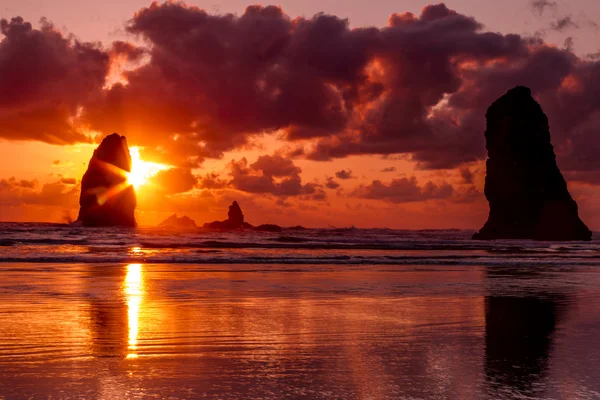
[141, 170]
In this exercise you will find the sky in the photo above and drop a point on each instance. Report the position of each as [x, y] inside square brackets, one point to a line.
[328, 113]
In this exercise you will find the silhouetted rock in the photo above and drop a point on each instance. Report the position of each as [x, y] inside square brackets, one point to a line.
[234, 215]
[268, 228]
[235, 219]
[107, 199]
[297, 228]
[528, 195]
[174, 222]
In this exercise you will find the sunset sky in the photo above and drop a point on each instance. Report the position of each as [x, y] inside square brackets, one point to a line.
[315, 113]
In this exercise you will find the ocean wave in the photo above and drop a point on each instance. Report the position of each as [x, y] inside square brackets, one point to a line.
[316, 260]
[47, 243]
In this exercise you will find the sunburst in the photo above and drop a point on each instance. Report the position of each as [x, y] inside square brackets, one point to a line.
[141, 171]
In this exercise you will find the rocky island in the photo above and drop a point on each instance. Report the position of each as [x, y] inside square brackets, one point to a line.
[175, 222]
[106, 198]
[235, 220]
[528, 195]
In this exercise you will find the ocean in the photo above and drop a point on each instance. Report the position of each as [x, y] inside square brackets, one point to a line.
[302, 314]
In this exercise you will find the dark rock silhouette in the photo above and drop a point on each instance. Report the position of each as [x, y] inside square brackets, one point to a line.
[297, 228]
[528, 195]
[107, 199]
[268, 228]
[174, 222]
[235, 219]
[235, 215]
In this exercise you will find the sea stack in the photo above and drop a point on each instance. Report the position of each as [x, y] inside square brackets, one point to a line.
[235, 219]
[528, 195]
[107, 199]
[175, 222]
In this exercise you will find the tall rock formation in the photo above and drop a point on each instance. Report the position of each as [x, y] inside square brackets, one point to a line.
[528, 195]
[107, 199]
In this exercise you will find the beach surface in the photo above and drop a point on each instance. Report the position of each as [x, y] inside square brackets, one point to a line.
[312, 331]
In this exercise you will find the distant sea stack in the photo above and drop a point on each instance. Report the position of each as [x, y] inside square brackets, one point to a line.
[175, 222]
[107, 199]
[235, 219]
[528, 195]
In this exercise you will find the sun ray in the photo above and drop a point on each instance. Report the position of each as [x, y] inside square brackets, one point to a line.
[141, 170]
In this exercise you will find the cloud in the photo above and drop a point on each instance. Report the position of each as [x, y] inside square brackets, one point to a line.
[403, 190]
[331, 184]
[344, 174]
[414, 112]
[46, 80]
[174, 180]
[587, 177]
[68, 181]
[563, 24]
[260, 177]
[539, 6]
[203, 84]
[15, 192]
[13, 183]
[211, 181]
[276, 166]
[468, 177]
[214, 80]
[389, 169]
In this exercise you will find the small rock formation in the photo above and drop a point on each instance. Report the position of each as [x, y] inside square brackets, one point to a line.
[174, 222]
[297, 228]
[107, 199]
[235, 215]
[268, 228]
[528, 195]
[235, 219]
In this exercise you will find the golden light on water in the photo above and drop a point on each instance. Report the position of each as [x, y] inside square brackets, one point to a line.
[134, 292]
[141, 170]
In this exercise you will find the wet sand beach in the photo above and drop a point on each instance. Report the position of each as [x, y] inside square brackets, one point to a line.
[188, 331]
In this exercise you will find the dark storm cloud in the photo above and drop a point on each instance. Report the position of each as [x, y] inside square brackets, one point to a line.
[212, 80]
[204, 84]
[404, 190]
[45, 79]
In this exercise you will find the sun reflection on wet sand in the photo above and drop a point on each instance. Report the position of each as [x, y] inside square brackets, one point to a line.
[113, 332]
[133, 289]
